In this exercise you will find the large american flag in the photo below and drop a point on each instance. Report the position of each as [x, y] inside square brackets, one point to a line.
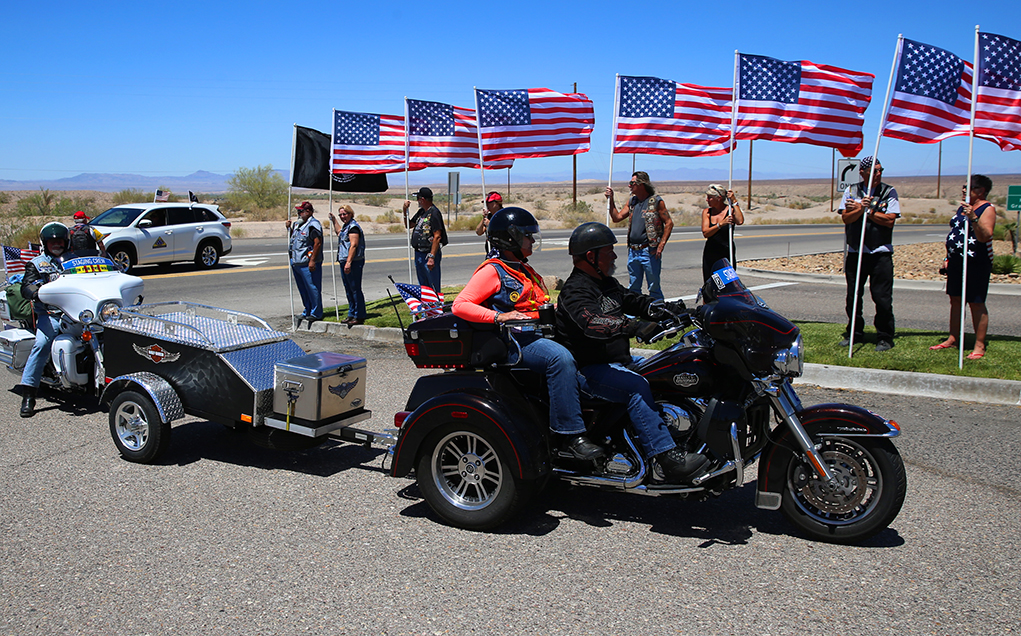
[931, 95]
[661, 117]
[533, 122]
[366, 143]
[998, 112]
[423, 301]
[802, 102]
[15, 259]
[443, 135]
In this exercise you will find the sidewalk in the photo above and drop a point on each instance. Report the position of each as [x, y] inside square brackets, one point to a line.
[1000, 289]
[947, 387]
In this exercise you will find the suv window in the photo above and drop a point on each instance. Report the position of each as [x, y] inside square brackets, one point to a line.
[181, 216]
[117, 217]
[206, 216]
[157, 216]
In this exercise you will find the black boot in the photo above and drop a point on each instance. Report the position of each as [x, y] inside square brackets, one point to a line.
[678, 465]
[27, 401]
[581, 447]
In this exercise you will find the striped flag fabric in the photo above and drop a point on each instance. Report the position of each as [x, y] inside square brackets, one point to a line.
[162, 196]
[367, 143]
[802, 102]
[533, 122]
[423, 301]
[662, 117]
[16, 258]
[998, 108]
[931, 98]
[445, 136]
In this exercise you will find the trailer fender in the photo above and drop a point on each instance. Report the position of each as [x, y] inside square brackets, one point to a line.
[821, 420]
[163, 396]
[521, 439]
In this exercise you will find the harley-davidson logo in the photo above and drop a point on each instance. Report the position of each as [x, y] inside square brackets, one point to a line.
[685, 379]
[342, 389]
[156, 353]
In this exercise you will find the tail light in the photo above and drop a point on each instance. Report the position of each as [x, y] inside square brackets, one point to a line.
[399, 418]
[225, 224]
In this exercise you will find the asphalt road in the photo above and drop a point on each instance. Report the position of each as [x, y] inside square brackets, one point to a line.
[255, 277]
[227, 538]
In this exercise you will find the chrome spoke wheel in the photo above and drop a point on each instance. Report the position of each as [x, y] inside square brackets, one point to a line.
[467, 471]
[852, 497]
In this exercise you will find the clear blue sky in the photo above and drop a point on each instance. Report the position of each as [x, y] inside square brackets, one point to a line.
[171, 88]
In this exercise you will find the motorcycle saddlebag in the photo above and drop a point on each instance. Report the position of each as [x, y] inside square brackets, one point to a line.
[449, 342]
[15, 345]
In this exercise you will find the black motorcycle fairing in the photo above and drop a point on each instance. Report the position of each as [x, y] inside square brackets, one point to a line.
[681, 370]
[490, 402]
[819, 420]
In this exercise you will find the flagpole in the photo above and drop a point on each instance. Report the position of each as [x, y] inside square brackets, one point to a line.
[967, 201]
[333, 253]
[290, 278]
[616, 107]
[482, 163]
[868, 192]
[407, 188]
[735, 91]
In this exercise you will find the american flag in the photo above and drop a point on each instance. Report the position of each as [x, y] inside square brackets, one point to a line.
[161, 195]
[15, 259]
[802, 102]
[422, 301]
[443, 135]
[534, 122]
[365, 143]
[661, 117]
[931, 95]
[998, 112]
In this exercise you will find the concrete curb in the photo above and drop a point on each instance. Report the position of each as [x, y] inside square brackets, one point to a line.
[999, 289]
[946, 387]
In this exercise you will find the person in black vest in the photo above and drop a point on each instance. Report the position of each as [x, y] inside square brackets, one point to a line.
[85, 240]
[428, 236]
[879, 211]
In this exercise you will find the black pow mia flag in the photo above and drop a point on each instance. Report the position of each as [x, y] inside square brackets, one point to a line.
[311, 167]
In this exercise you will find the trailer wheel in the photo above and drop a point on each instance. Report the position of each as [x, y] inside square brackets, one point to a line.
[138, 431]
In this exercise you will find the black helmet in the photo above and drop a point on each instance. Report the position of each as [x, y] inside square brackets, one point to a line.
[590, 236]
[509, 226]
[54, 230]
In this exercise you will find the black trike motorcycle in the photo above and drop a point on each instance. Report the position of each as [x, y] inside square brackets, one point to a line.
[477, 436]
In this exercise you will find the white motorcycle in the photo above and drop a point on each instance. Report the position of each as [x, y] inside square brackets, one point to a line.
[90, 290]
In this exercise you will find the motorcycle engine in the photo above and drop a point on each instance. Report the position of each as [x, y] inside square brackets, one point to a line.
[681, 420]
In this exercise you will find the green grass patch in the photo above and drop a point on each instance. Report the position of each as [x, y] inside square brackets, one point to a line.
[911, 352]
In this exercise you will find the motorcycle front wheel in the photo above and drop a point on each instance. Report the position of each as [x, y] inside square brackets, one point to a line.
[869, 490]
[465, 479]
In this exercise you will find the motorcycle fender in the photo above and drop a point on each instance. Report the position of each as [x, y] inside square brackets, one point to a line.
[821, 420]
[164, 397]
[520, 440]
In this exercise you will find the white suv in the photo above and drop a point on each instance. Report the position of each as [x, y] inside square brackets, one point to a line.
[146, 233]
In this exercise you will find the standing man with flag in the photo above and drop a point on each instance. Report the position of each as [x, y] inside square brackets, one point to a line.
[306, 252]
[428, 236]
[878, 210]
[647, 238]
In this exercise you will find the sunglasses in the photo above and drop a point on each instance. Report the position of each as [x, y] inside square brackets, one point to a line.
[632, 183]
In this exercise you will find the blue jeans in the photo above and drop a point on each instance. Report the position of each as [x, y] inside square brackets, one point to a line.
[310, 286]
[46, 330]
[615, 383]
[353, 290]
[543, 355]
[641, 262]
[428, 277]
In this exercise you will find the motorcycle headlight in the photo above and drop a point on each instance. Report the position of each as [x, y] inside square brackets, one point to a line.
[109, 311]
[86, 316]
[789, 362]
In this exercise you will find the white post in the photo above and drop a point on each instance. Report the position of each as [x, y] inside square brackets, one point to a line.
[613, 135]
[868, 192]
[333, 253]
[967, 201]
[407, 189]
[735, 92]
[287, 253]
[482, 163]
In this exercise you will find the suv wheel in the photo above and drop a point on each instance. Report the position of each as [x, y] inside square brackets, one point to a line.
[123, 256]
[208, 255]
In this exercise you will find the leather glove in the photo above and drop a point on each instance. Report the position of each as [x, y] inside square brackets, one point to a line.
[641, 329]
[666, 311]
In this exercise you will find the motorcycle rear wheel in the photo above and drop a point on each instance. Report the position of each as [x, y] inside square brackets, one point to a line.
[138, 431]
[871, 488]
[465, 479]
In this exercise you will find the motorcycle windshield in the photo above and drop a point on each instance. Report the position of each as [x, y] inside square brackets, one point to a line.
[88, 265]
[725, 283]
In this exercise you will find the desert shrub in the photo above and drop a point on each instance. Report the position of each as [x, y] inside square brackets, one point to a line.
[395, 228]
[390, 216]
[1006, 264]
[799, 205]
[38, 204]
[258, 187]
[19, 235]
[574, 214]
[687, 218]
[540, 204]
[131, 195]
[376, 200]
[595, 190]
[364, 218]
[5, 197]
[266, 214]
[66, 206]
[464, 222]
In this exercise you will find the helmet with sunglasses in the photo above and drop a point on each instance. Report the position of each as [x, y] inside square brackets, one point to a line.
[510, 226]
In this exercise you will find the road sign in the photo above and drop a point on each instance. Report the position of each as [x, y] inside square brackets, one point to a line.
[1014, 198]
[847, 173]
